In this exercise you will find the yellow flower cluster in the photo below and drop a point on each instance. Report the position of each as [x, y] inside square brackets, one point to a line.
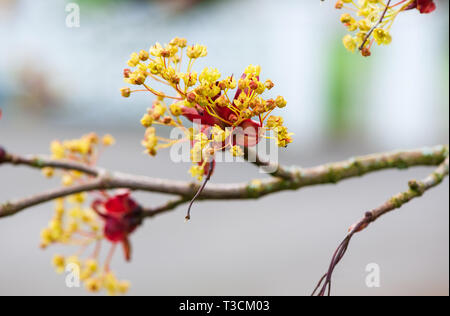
[73, 223]
[276, 124]
[83, 150]
[371, 22]
[66, 223]
[199, 96]
[109, 282]
[94, 278]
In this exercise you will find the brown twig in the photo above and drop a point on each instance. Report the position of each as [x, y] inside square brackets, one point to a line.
[200, 190]
[40, 162]
[170, 205]
[416, 189]
[375, 26]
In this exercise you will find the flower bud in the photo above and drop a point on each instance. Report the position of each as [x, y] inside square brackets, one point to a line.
[143, 55]
[125, 92]
[165, 53]
[280, 102]
[146, 120]
[48, 172]
[253, 85]
[140, 79]
[182, 42]
[366, 52]
[346, 18]
[175, 109]
[191, 97]
[167, 120]
[108, 140]
[339, 4]
[269, 84]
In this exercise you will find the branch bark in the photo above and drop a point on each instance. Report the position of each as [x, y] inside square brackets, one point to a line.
[291, 178]
[40, 162]
[416, 189]
[283, 178]
[274, 169]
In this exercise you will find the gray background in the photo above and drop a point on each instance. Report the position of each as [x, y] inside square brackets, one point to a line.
[281, 244]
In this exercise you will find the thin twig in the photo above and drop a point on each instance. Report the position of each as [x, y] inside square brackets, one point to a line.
[170, 205]
[376, 25]
[40, 162]
[200, 190]
[416, 189]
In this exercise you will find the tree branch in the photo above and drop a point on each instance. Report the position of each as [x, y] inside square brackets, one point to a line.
[416, 189]
[40, 162]
[298, 178]
[170, 205]
[283, 178]
[271, 168]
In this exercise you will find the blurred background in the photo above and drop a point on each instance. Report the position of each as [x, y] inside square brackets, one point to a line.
[60, 82]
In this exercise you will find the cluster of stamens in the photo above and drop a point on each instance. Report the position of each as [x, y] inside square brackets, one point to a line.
[78, 225]
[202, 98]
[371, 21]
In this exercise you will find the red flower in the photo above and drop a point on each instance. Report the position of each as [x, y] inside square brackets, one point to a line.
[247, 134]
[424, 6]
[122, 215]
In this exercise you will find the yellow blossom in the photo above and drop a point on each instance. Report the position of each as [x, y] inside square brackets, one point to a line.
[204, 94]
[146, 120]
[280, 102]
[93, 285]
[123, 287]
[57, 150]
[74, 260]
[254, 70]
[143, 55]
[196, 51]
[283, 137]
[175, 109]
[219, 135]
[111, 284]
[46, 236]
[156, 50]
[368, 14]
[349, 43]
[108, 140]
[274, 121]
[59, 263]
[48, 172]
[77, 198]
[209, 75]
[382, 37]
[197, 172]
[134, 60]
[190, 79]
[237, 151]
[92, 265]
[76, 212]
[125, 92]
[72, 226]
[67, 180]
